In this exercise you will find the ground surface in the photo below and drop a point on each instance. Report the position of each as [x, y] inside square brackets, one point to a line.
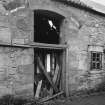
[96, 99]
[88, 100]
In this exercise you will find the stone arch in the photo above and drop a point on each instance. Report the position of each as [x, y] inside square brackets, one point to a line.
[51, 13]
[48, 6]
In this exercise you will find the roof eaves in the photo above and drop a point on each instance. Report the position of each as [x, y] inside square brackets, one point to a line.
[80, 5]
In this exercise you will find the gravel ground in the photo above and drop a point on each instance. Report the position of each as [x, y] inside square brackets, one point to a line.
[97, 99]
[88, 100]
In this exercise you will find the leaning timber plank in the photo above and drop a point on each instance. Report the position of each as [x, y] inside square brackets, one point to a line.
[49, 98]
[58, 77]
[50, 91]
[47, 76]
[56, 73]
[38, 89]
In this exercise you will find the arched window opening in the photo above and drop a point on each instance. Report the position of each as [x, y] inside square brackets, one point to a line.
[47, 27]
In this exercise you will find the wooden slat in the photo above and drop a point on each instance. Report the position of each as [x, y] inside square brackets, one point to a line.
[49, 98]
[46, 75]
[51, 46]
[58, 78]
[50, 91]
[38, 89]
[67, 72]
[56, 73]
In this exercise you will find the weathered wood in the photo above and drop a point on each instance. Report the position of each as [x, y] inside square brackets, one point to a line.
[46, 75]
[38, 89]
[49, 98]
[50, 91]
[56, 73]
[51, 46]
[36, 45]
[58, 77]
[66, 54]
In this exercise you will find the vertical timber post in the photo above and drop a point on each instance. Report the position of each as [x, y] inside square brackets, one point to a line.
[64, 58]
[67, 72]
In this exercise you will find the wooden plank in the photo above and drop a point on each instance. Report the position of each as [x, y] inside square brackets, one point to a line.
[66, 76]
[48, 63]
[51, 46]
[36, 45]
[56, 73]
[47, 76]
[50, 91]
[49, 98]
[58, 77]
[38, 89]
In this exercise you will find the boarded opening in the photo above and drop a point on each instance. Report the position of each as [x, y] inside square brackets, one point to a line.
[48, 63]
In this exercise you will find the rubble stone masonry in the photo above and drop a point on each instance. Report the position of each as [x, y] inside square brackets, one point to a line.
[80, 28]
[16, 64]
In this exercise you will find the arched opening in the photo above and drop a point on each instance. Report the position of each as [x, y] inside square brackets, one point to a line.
[47, 27]
[48, 60]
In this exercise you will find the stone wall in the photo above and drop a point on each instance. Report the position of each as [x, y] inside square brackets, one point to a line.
[90, 32]
[16, 64]
[80, 28]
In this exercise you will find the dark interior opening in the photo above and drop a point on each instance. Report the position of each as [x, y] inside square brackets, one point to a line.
[47, 27]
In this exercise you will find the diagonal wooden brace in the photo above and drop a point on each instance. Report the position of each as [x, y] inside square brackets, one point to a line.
[46, 75]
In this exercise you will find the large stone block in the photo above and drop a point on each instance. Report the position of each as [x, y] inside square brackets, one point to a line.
[26, 69]
[24, 60]
[5, 35]
[2, 75]
[25, 90]
[4, 90]
[18, 41]
[27, 79]
[13, 4]
[22, 26]
[4, 59]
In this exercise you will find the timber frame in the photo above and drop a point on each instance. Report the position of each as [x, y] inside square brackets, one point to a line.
[62, 48]
[36, 45]
[62, 72]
